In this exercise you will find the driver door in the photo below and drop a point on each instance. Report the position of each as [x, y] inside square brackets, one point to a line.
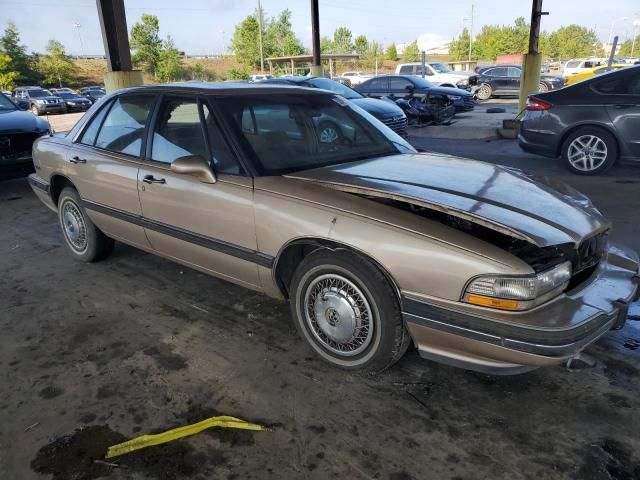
[207, 226]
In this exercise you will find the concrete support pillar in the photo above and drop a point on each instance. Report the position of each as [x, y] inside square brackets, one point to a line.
[117, 80]
[530, 79]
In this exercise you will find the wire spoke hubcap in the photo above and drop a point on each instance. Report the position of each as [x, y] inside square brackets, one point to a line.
[74, 227]
[338, 314]
[587, 153]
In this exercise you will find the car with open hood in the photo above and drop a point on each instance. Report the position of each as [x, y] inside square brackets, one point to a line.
[374, 245]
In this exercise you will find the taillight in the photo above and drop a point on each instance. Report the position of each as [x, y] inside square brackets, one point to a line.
[535, 105]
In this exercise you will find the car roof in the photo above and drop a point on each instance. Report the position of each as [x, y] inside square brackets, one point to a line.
[225, 88]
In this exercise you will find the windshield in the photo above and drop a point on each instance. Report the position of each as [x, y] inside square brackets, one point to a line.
[420, 82]
[289, 133]
[97, 93]
[335, 87]
[439, 67]
[5, 103]
[39, 92]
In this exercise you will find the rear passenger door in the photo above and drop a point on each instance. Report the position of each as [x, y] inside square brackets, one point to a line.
[207, 226]
[103, 164]
[513, 82]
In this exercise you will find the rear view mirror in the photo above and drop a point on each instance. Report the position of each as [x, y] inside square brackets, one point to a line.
[194, 165]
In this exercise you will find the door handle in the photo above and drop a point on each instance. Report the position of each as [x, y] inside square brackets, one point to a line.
[77, 159]
[152, 179]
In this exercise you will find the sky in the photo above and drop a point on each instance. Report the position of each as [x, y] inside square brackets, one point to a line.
[205, 26]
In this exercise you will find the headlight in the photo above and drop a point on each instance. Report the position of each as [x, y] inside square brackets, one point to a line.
[454, 97]
[463, 83]
[39, 102]
[72, 103]
[517, 293]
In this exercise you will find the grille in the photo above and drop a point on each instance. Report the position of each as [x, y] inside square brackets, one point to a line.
[398, 124]
[16, 145]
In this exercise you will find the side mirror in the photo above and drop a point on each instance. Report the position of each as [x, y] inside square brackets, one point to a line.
[194, 165]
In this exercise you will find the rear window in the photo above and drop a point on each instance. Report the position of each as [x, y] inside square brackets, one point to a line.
[619, 83]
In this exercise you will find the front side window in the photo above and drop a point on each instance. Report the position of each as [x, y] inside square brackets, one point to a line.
[399, 83]
[377, 84]
[513, 72]
[223, 159]
[178, 131]
[288, 133]
[123, 127]
[498, 72]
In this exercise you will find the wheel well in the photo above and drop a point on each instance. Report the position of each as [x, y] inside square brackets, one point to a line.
[58, 183]
[592, 125]
[296, 251]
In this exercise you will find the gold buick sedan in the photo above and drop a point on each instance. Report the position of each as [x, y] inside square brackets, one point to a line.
[305, 197]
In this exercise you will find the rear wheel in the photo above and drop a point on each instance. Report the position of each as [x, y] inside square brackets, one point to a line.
[84, 239]
[347, 311]
[543, 88]
[484, 92]
[589, 151]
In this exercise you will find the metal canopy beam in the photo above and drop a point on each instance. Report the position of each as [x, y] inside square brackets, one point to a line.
[115, 36]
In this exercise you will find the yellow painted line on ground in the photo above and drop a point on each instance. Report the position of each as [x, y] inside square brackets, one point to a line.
[145, 441]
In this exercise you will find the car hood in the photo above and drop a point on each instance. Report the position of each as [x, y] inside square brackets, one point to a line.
[503, 199]
[378, 108]
[20, 121]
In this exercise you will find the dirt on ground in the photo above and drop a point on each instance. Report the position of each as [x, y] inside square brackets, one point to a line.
[93, 354]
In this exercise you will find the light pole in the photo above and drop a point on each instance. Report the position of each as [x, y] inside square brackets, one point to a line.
[470, 20]
[260, 20]
[612, 24]
[222, 32]
[77, 26]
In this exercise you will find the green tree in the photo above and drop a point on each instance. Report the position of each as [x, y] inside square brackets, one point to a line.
[326, 45]
[56, 66]
[374, 55]
[573, 41]
[411, 52]
[20, 61]
[342, 42]
[245, 41]
[625, 48]
[170, 67]
[279, 39]
[8, 76]
[198, 72]
[146, 42]
[361, 45]
[392, 52]
[459, 47]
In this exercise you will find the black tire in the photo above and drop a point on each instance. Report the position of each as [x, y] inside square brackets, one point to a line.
[484, 92]
[387, 337]
[35, 111]
[91, 245]
[599, 166]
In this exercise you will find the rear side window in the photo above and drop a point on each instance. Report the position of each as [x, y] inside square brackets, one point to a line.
[377, 84]
[91, 132]
[123, 127]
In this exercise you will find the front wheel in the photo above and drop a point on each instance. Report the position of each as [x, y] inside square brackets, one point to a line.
[484, 92]
[84, 239]
[346, 310]
[35, 110]
[589, 151]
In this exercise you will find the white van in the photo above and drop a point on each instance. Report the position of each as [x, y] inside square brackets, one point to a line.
[578, 65]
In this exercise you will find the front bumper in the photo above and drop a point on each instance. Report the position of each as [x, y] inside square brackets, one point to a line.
[500, 342]
[51, 108]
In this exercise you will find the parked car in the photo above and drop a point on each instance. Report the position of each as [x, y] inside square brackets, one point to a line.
[351, 79]
[57, 91]
[403, 86]
[93, 94]
[578, 77]
[505, 80]
[40, 101]
[22, 104]
[575, 66]
[260, 77]
[373, 244]
[439, 74]
[388, 113]
[18, 131]
[590, 125]
[75, 102]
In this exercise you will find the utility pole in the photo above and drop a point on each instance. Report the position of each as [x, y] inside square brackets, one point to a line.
[260, 36]
[77, 26]
[471, 32]
[222, 32]
[316, 66]
[614, 45]
[530, 77]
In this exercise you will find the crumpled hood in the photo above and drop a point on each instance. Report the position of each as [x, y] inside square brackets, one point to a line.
[500, 198]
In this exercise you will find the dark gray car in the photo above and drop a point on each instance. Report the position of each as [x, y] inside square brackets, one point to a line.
[41, 101]
[590, 125]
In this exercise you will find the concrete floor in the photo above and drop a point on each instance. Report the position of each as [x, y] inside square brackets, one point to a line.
[140, 344]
